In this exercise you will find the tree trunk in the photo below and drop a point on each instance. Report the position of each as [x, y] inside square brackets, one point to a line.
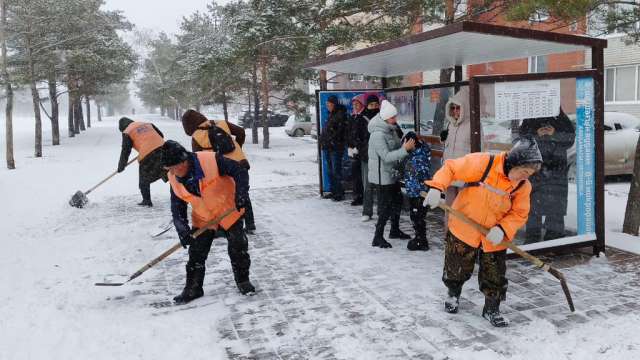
[256, 104]
[225, 109]
[55, 112]
[162, 111]
[71, 123]
[79, 112]
[76, 114]
[632, 213]
[99, 110]
[11, 164]
[265, 102]
[323, 80]
[35, 97]
[88, 105]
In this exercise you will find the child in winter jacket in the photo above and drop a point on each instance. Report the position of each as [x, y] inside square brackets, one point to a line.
[417, 170]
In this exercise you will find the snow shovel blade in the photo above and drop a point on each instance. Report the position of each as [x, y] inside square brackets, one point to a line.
[79, 200]
[565, 288]
[109, 284]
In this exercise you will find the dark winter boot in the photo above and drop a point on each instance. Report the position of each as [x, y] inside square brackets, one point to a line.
[246, 288]
[491, 312]
[418, 243]
[145, 190]
[193, 288]
[452, 302]
[378, 239]
[357, 201]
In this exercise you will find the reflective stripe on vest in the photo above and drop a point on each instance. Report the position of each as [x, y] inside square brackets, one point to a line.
[144, 137]
[201, 136]
[217, 194]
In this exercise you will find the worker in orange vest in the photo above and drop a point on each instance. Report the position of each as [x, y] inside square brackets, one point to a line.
[147, 139]
[494, 192]
[211, 184]
[223, 137]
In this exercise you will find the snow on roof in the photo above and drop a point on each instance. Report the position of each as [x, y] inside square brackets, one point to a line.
[456, 44]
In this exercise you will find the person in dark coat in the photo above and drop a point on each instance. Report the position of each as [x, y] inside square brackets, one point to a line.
[360, 139]
[554, 135]
[212, 185]
[357, 106]
[334, 141]
[147, 140]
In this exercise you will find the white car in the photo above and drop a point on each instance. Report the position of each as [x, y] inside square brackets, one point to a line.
[621, 133]
[298, 125]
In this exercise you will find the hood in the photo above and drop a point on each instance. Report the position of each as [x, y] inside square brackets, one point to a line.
[123, 123]
[377, 124]
[461, 99]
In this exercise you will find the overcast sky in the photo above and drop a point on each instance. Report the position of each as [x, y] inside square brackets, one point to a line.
[158, 15]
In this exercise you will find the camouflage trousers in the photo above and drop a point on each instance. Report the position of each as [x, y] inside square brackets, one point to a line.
[459, 260]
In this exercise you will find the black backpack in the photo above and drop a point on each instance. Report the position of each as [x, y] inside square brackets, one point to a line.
[220, 140]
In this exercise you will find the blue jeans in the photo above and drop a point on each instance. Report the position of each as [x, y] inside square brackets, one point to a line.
[335, 172]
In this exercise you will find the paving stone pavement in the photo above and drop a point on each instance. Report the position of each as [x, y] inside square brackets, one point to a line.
[325, 293]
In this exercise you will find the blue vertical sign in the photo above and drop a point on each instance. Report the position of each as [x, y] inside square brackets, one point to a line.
[585, 155]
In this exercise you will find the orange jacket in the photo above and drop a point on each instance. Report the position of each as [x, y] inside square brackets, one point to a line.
[144, 137]
[496, 201]
[201, 138]
[217, 194]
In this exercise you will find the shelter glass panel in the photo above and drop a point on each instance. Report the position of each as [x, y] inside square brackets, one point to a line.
[559, 115]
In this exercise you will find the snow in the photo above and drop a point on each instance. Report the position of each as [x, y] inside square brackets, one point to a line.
[321, 286]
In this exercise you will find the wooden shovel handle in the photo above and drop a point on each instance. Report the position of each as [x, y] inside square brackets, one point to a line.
[109, 177]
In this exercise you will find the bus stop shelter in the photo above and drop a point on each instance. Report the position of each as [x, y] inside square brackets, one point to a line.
[500, 107]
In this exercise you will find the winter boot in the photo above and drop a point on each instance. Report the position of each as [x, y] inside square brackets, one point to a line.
[378, 239]
[491, 312]
[418, 244]
[145, 190]
[357, 201]
[246, 288]
[193, 288]
[451, 304]
[398, 234]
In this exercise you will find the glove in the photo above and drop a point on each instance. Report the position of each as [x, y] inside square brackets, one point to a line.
[184, 233]
[241, 202]
[355, 151]
[350, 152]
[495, 235]
[433, 198]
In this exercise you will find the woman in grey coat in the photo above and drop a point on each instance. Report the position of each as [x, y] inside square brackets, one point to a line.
[385, 152]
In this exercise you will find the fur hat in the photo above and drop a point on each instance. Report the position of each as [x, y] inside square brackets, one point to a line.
[387, 110]
[191, 119]
[123, 123]
[173, 153]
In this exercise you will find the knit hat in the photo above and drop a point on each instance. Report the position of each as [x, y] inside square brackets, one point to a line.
[173, 153]
[524, 152]
[387, 110]
[123, 123]
[191, 119]
[372, 98]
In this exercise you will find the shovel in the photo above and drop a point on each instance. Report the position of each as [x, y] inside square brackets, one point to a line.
[175, 247]
[534, 260]
[79, 199]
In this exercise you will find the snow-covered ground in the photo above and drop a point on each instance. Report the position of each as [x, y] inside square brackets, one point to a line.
[323, 291]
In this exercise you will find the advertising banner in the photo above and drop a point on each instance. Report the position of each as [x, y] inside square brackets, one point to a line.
[585, 155]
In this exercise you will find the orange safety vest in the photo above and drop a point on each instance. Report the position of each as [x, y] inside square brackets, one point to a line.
[217, 194]
[144, 137]
[201, 136]
[491, 199]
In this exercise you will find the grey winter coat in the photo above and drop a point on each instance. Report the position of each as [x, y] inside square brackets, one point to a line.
[385, 151]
